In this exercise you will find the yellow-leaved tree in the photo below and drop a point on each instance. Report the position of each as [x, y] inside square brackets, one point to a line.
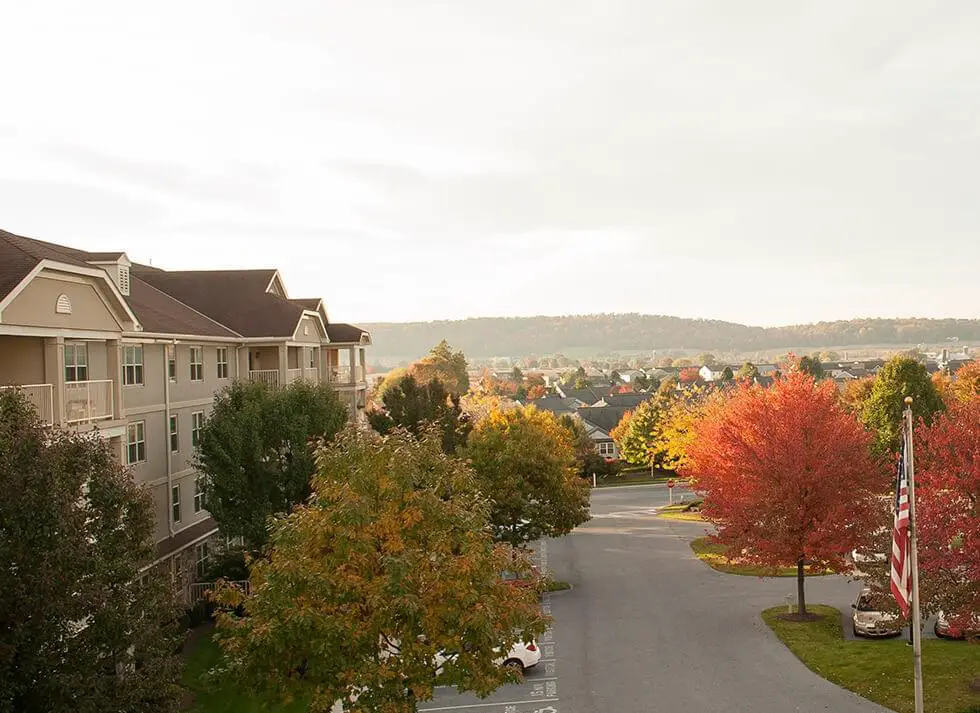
[525, 462]
[385, 584]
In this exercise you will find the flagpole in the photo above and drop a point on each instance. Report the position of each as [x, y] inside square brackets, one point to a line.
[916, 625]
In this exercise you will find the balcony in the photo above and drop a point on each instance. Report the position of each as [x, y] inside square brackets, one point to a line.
[340, 375]
[293, 374]
[42, 398]
[88, 401]
[269, 377]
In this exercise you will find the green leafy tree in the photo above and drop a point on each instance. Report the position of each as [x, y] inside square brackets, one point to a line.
[83, 631]
[255, 451]
[588, 460]
[642, 382]
[387, 569]
[901, 376]
[446, 365]
[416, 407]
[707, 359]
[615, 377]
[525, 462]
[811, 365]
[638, 436]
[747, 371]
[727, 374]
[517, 375]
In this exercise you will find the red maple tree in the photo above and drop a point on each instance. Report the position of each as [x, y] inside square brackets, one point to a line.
[947, 474]
[787, 476]
[689, 375]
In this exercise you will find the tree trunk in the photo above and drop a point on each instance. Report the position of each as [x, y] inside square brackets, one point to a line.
[800, 579]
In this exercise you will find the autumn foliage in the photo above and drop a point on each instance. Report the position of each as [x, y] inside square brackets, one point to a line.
[947, 474]
[787, 476]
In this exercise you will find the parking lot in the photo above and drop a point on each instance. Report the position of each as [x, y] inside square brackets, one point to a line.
[538, 693]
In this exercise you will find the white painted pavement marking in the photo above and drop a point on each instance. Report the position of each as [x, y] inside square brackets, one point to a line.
[499, 703]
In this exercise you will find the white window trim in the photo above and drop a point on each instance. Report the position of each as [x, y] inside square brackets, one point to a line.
[134, 428]
[222, 351]
[133, 349]
[173, 429]
[199, 364]
[196, 426]
[199, 503]
[76, 349]
[171, 357]
[175, 503]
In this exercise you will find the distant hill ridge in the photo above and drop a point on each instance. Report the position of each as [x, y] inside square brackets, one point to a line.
[603, 333]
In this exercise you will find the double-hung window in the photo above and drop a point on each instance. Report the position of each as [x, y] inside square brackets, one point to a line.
[136, 442]
[222, 362]
[172, 362]
[197, 363]
[199, 503]
[175, 502]
[76, 362]
[132, 364]
[197, 423]
[174, 434]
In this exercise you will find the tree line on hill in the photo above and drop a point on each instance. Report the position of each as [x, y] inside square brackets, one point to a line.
[603, 333]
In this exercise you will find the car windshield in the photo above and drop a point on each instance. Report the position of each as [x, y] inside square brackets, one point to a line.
[865, 604]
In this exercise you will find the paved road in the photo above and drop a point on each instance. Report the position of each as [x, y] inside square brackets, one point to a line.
[650, 628]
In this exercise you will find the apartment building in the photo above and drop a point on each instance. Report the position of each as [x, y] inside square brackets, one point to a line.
[135, 355]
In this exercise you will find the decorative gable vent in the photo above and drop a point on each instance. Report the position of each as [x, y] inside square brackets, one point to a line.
[124, 279]
[63, 305]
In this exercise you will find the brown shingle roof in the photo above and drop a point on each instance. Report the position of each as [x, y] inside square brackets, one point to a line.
[310, 303]
[159, 313]
[20, 255]
[235, 298]
[345, 333]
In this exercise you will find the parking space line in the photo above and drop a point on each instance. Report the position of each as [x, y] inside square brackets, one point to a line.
[489, 705]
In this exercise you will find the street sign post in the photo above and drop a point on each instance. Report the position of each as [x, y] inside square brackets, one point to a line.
[670, 491]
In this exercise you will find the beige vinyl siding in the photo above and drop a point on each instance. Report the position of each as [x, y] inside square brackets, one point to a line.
[21, 360]
[35, 306]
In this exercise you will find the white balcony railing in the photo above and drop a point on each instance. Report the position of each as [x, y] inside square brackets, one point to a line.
[41, 396]
[341, 374]
[293, 374]
[312, 374]
[198, 590]
[269, 377]
[88, 401]
[360, 373]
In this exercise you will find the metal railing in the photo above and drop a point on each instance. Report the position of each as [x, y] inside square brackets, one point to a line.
[196, 591]
[269, 377]
[41, 396]
[88, 401]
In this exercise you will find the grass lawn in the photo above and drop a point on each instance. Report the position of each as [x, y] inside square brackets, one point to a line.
[714, 556]
[882, 670]
[209, 698]
[556, 585]
[679, 511]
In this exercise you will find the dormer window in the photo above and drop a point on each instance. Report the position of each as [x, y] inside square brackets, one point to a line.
[124, 279]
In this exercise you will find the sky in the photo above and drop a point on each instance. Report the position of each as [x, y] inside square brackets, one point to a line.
[764, 162]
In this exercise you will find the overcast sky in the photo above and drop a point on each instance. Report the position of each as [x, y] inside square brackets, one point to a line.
[762, 162]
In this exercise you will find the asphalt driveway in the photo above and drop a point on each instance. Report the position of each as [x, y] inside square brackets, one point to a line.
[648, 627]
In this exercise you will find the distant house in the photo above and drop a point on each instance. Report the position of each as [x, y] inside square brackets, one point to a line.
[714, 373]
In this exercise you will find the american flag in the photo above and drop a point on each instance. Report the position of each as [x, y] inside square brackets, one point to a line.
[901, 580]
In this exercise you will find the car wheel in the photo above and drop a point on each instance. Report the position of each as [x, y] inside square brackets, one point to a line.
[514, 666]
[855, 630]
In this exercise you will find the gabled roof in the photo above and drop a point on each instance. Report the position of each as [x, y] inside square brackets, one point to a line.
[235, 298]
[605, 418]
[345, 333]
[159, 313]
[20, 255]
[629, 400]
[310, 303]
[555, 404]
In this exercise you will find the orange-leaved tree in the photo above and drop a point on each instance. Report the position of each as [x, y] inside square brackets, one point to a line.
[947, 473]
[787, 476]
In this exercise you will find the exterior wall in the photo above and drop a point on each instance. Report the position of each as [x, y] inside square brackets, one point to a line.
[35, 306]
[183, 389]
[150, 392]
[308, 331]
[21, 360]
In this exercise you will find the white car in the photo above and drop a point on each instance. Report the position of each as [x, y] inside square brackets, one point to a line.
[519, 658]
[945, 630]
[869, 620]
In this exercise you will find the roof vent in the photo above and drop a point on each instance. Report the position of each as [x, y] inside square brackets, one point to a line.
[63, 305]
[124, 279]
